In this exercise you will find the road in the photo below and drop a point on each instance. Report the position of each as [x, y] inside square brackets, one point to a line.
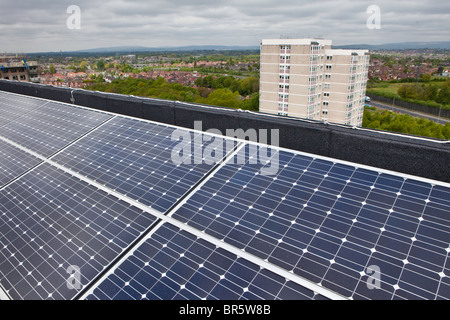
[434, 118]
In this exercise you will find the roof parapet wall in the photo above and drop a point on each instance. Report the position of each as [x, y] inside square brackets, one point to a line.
[427, 158]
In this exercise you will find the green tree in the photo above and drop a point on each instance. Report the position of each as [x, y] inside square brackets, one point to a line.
[426, 77]
[251, 104]
[101, 65]
[126, 68]
[82, 66]
[52, 69]
[403, 123]
[444, 94]
[249, 86]
[224, 98]
[410, 91]
[430, 92]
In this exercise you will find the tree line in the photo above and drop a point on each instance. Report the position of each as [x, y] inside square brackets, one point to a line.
[404, 123]
[244, 96]
[245, 86]
[426, 92]
[226, 92]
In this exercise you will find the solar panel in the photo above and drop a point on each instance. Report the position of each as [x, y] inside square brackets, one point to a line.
[329, 222]
[134, 158]
[50, 221]
[173, 264]
[99, 193]
[51, 126]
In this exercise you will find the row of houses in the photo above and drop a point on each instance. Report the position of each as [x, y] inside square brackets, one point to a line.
[78, 79]
[378, 69]
[181, 77]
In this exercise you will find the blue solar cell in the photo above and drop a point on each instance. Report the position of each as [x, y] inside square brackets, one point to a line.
[286, 256]
[433, 233]
[37, 248]
[444, 289]
[402, 224]
[436, 213]
[299, 236]
[364, 292]
[356, 192]
[324, 246]
[389, 182]
[363, 234]
[312, 216]
[312, 267]
[261, 245]
[364, 177]
[347, 208]
[341, 279]
[336, 225]
[416, 189]
[427, 256]
[419, 282]
[353, 256]
[373, 216]
[394, 244]
[381, 198]
[440, 195]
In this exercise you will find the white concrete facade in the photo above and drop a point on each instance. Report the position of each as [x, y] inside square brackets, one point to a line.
[306, 78]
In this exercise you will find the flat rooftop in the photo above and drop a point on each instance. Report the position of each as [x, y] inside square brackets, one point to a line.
[99, 204]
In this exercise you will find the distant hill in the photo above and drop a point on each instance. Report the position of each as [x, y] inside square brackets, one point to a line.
[140, 49]
[386, 46]
[165, 49]
[399, 46]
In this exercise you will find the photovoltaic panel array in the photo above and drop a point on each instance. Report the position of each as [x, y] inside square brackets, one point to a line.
[103, 193]
[50, 221]
[174, 264]
[331, 223]
[134, 158]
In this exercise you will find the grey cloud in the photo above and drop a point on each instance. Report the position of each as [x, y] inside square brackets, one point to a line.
[41, 25]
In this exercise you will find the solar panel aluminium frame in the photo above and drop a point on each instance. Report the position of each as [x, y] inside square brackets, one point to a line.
[182, 226]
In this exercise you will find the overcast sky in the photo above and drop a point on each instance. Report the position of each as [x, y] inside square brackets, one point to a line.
[41, 25]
